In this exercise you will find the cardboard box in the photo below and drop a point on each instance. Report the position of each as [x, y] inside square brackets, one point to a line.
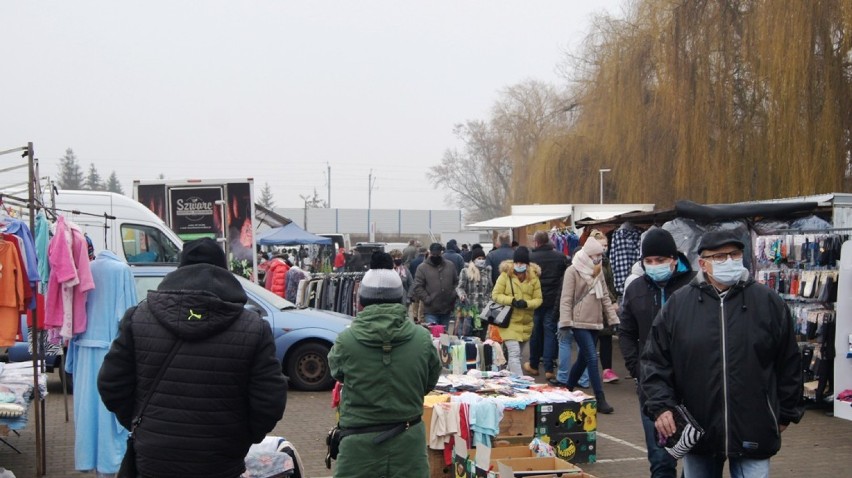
[561, 418]
[515, 423]
[576, 447]
[465, 466]
[437, 469]
[537, 467]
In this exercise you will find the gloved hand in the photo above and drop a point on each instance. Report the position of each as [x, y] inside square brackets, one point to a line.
[521, 304]
[563, 333]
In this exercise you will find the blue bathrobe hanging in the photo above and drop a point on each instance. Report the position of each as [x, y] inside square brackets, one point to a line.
[100, 440]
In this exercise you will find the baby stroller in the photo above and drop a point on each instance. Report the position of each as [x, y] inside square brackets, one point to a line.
[274, 457]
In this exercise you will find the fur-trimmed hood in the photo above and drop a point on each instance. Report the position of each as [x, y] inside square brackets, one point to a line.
[533, 270]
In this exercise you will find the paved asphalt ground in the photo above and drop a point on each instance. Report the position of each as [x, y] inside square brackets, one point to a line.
[818, 447]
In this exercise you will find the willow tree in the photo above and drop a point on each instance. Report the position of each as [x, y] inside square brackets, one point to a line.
[711, 100]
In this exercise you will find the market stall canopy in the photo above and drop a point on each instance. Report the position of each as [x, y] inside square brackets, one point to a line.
[291, 235]
[711, 212]
[726, 212]
[513, 221]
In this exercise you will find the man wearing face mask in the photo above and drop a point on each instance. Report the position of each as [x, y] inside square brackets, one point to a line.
[543, 344]
[724, 347]
[435, 284]
[664, 270]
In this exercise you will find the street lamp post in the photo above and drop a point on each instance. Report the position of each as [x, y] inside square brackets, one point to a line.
[602, 171]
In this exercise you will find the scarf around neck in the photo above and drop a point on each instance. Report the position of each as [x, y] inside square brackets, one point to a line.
[584, 265]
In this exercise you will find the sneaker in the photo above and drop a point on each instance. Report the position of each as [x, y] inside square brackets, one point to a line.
[529, 370]
[609, 376]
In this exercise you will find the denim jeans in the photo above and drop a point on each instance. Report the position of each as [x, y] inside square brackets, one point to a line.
[586, 358]
[662, 464]
[543, 344]
[440, 319]
[513, 359]
[701, 466]
[565, 359]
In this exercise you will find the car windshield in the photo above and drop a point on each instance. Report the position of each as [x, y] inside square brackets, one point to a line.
[274, 300]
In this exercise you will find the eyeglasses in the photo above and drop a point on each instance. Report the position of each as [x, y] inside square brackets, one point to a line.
[721, 257]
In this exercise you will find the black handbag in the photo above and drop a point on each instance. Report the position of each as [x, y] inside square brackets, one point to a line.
[498, 314]
[128, 463]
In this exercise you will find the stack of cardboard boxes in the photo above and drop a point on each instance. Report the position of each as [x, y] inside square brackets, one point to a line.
[570, 428]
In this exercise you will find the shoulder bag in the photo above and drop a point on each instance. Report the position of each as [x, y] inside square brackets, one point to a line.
[128, 463]
[498, 314]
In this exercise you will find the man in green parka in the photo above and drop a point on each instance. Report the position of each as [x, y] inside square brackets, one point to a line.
[386, 364]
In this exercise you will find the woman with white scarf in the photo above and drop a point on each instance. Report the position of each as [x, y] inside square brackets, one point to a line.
[584, 302]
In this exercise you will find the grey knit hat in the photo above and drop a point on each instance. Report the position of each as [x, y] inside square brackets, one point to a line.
[380, 286]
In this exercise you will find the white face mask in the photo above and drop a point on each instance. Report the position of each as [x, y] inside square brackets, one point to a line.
[479, 263]
[729, 272]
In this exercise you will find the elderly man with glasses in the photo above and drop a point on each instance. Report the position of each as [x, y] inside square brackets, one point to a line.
[724, 347]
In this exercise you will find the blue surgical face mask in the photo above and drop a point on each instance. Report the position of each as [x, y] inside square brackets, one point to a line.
[659, 272]
[520, 269]
[728, 272]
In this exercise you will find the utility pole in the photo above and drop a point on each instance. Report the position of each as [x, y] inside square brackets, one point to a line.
[601, 172]
[370, 183]
[305, 214]
[328, 177]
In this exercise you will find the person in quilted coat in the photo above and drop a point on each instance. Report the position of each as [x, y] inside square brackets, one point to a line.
[518, 285]
[223, 389]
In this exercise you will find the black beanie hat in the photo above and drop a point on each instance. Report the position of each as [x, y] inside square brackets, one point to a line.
[522, 255]
[658, 242]
[477, 253]
[203, 251]
[381, 260]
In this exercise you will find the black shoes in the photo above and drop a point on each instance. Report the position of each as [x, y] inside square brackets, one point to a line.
[603, 407]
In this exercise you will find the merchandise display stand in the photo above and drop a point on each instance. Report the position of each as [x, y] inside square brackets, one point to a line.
[40, 433]
[843, 337]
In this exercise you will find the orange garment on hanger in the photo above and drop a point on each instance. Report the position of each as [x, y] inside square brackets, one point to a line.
[12, 302]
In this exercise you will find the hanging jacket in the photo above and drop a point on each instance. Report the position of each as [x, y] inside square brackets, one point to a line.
[521, 324]
[276, 277]
[641, 303]
[733, 362]
[623, 253]
[223, 390]
[387, 364]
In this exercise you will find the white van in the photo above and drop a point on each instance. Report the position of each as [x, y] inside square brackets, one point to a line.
[136, 234]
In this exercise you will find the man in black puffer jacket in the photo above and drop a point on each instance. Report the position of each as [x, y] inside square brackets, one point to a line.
[222, 391]
[725, 348]
[664, 270]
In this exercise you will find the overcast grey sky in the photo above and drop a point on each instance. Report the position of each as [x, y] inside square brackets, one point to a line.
[271, 90]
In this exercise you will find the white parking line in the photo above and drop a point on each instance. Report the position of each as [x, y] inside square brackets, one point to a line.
[617, 460]
[623, 442]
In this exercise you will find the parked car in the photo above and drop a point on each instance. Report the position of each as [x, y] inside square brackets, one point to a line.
[303, 337]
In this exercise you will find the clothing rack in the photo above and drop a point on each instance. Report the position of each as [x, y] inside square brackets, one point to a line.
[32, 193]
[827, 230]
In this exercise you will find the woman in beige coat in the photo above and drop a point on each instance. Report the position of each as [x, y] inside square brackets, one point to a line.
[584, 303]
